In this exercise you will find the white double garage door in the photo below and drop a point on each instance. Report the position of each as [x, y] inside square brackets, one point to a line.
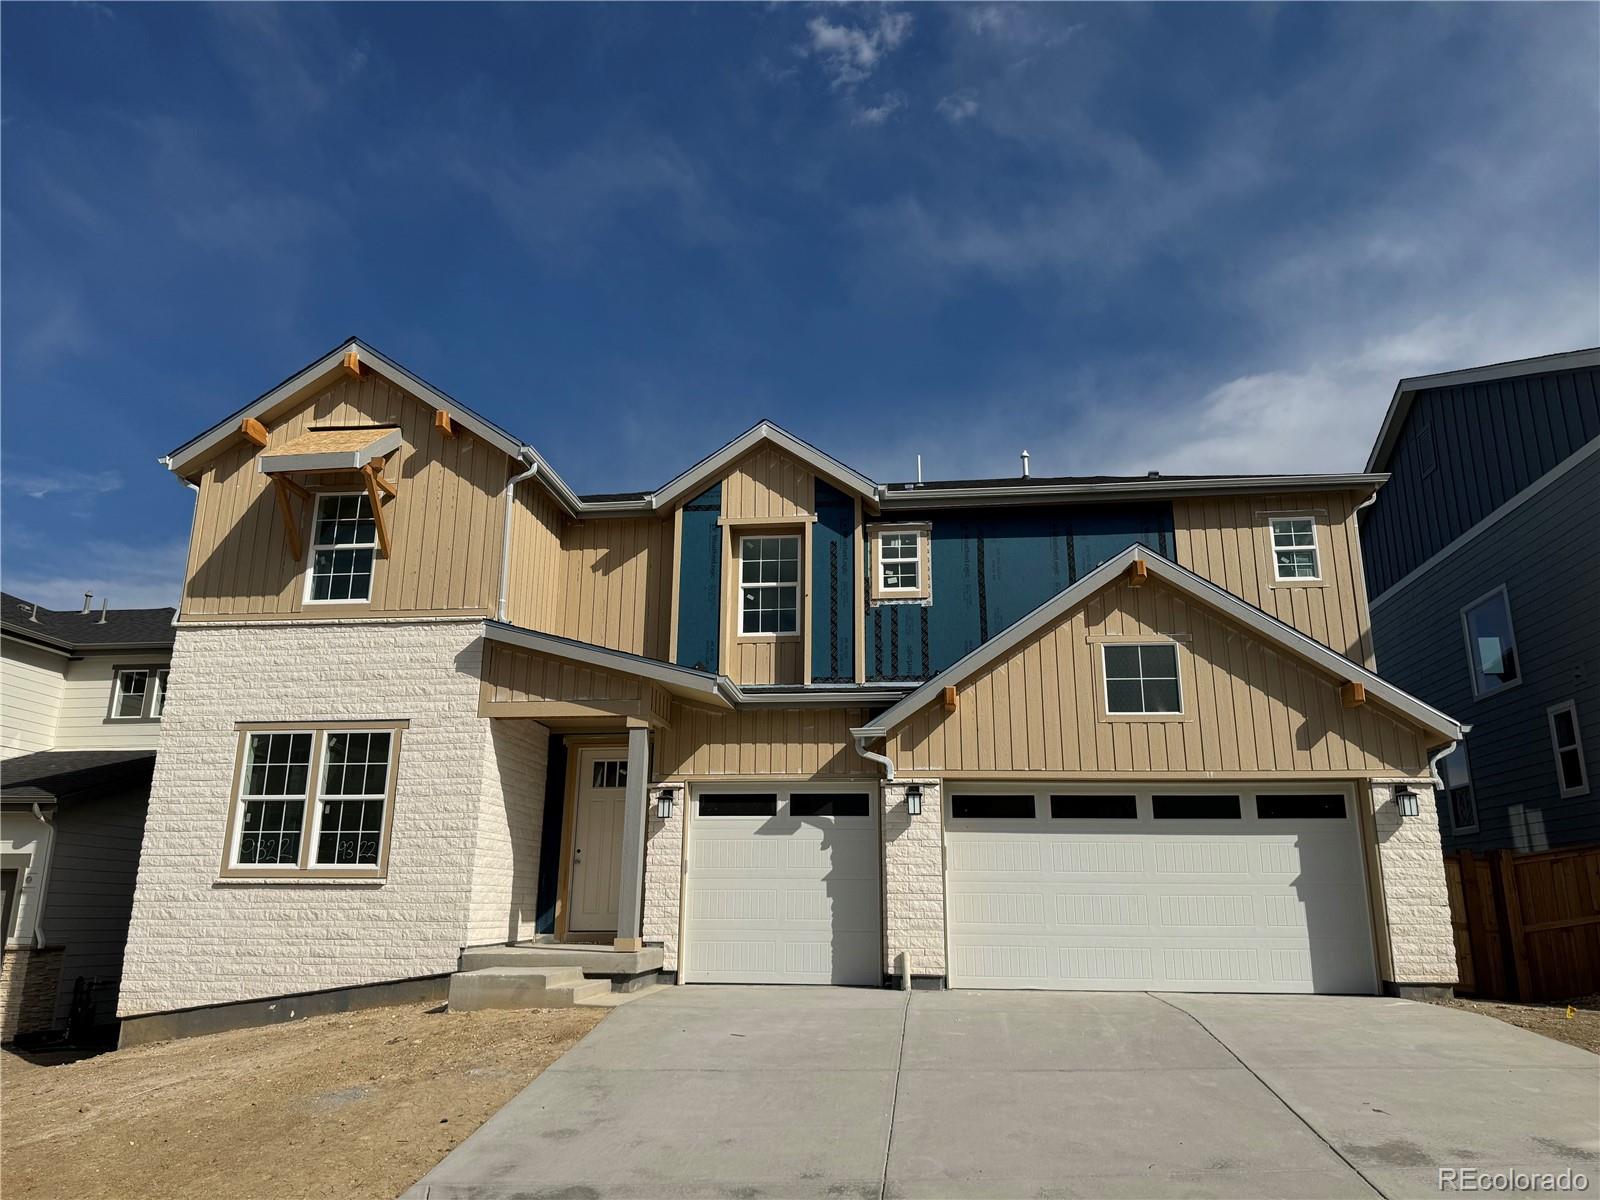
[1231, 888]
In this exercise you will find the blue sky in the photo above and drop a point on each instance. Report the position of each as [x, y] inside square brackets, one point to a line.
[1121, 237]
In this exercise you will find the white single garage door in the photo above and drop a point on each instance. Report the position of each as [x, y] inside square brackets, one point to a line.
[782, 885]
[1229, 889]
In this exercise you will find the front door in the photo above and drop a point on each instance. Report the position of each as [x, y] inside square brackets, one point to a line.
[597, 840]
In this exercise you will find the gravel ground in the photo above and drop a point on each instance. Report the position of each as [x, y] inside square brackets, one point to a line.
[1582, 1028]
[352, 1105]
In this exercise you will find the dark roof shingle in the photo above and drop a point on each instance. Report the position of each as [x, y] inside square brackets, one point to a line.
[54, 775]
[121, 627]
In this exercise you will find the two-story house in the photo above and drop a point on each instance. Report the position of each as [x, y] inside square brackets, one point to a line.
[770, 722]
[1484, 588]
[81, 697]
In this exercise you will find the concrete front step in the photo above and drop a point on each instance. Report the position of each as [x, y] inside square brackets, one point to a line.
[522, 987]
[592, 960]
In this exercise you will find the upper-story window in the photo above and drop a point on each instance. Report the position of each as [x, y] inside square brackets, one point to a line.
[1491, 643]
[1142, 679]
[1294, 548]
[1572, 772]
[344, 542]
[900, 562]
[769, 584]
[138, 693]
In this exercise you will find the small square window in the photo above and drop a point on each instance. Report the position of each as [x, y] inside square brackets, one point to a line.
[1491, 643]
[900, 561]
[1141, 679]
[1294, 548]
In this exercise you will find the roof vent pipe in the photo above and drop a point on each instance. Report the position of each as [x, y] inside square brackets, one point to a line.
[919, 470]
[1024, 464]
[1152, 474]
[33, 614]
[88, 601]
[105, 606]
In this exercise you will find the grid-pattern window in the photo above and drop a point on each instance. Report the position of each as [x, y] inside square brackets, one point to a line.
[610, 773]
[344, 541]
[1572, 772]
[272, 792]
[1142, 679]
[158, 700]
[899, 561]
[769, 576]
[1294, 548]
[128, 703]
[355, 784]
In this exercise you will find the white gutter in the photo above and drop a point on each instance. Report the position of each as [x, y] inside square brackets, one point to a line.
[527, 455]
[933, 494]
[1439, 756]
[888, 763]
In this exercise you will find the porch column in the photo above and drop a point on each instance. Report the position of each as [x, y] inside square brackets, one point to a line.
[630, 890]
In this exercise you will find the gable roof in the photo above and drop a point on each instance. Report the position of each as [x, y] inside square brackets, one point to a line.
[1406, 390]
[123, 628]
[689, 483]
[1184, 580]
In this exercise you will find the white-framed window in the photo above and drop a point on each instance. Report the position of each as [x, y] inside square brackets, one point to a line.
[769, 584]
[1455, 772]
[1566, 738]
[1141, 678]
[344, 542]
[1491, 643]
[899, 561]
[130, 693]
[158, 697]
[1294, 548]
[313, 801]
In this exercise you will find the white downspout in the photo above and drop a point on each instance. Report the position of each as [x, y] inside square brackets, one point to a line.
[888, 763]
[41, 871]
[526, 454]
[1439, 756]
[194, 513]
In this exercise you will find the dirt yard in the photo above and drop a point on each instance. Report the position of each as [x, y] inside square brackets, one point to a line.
[359, 1104]
[1580, 1029]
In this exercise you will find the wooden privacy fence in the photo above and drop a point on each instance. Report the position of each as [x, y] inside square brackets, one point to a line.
[1527, 926]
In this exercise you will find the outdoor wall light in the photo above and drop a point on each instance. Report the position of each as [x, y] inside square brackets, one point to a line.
[914, 800]
[1407, 800]
[664, 804]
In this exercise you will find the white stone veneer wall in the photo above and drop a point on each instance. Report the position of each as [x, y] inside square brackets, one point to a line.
[196, 940]
[1409, 855]
[505, 860]
[913, 878]
[663, 873]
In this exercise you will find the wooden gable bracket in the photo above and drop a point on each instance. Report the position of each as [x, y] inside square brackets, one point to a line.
[443, 423]
[1353, 694]
[1137, 573]
[291, 524]
[376, 487]
[949, 699]
[352, 361]
[254, 430]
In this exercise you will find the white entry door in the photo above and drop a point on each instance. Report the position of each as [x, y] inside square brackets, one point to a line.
[1230, 888]
[782, 885]
[596, 874]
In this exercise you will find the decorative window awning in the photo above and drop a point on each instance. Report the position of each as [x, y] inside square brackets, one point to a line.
[332, 449]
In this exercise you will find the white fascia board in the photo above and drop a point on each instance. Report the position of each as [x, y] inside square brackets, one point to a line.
[934, 496]
[1186, 580]
[1406, 389]
[764, 431]
[342, 460]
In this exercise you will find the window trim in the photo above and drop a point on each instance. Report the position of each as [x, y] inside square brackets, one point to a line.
[923, 592]
[739, 585]
[1472, 655]
[305, 868]
[145, 717]
[1427, 451]
[1106, 713]
[1569, 707]
[1272, 548]
[312, 546]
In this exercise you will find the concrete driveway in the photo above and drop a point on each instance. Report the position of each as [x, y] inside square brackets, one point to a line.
[756, 1092]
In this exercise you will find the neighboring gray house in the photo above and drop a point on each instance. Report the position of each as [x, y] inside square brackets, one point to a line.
[1484, 577]
[81, 698]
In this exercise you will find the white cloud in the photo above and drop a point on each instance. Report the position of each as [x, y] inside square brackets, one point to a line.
[39, 484]
[958, 106]
[877, 114]
[128, 576]
[850, 53]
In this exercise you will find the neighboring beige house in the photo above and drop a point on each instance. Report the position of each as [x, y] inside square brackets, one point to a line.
[81, 697]
[771, 722]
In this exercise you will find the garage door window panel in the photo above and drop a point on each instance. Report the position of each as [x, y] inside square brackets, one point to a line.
[730, 805]
[991, 808]
[1300, 807]
[824, 804]
[1094, 808]
[1195, 808]
[1141, 679]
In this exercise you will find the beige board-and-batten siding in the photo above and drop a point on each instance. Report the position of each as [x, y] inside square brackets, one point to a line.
[1227, 539]
[1249, 706]
[783, 743]
[525, 683]
[445, 523]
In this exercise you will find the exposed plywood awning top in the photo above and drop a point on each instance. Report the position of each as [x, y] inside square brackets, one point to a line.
[332, 449]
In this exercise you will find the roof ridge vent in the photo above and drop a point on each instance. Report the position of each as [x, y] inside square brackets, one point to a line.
[1152, 474]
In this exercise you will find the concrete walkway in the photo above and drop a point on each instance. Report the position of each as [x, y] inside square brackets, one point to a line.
[798, 1092]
